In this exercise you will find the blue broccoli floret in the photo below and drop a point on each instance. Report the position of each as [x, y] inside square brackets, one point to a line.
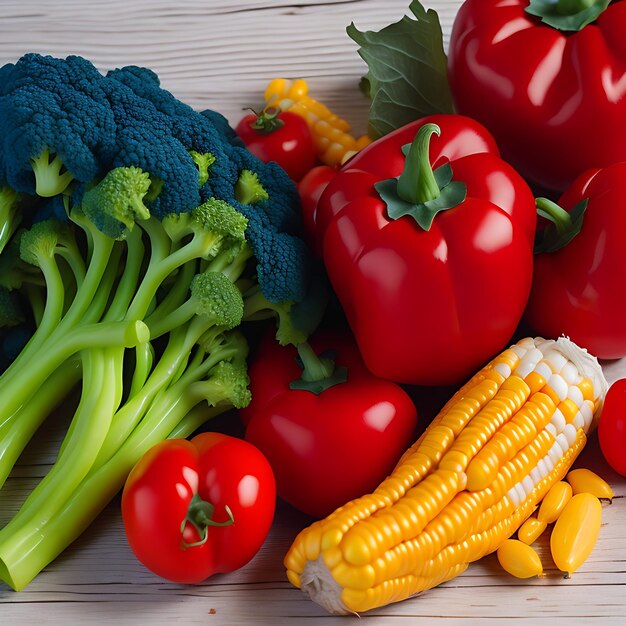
[56, 124]
[64, 126]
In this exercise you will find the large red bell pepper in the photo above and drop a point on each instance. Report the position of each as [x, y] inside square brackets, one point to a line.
[433, 270]
[577, 285]
[540, 76]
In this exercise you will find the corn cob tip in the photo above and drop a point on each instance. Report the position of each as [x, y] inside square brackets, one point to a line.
[587, 364]
[318, 583]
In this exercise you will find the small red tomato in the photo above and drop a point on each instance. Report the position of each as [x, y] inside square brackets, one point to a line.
[279, 136]
[612, 427]
[311, 188]
[194, 508]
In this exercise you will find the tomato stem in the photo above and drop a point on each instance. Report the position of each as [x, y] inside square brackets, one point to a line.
[199, 514]
[267, 121]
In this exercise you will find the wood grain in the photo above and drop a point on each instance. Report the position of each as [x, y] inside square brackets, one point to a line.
[220, 55]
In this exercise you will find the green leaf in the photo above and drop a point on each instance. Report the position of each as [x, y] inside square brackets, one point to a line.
[552, 12]
[407, 74]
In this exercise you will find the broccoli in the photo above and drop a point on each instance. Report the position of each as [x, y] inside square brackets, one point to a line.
[158, 237]
[9, 214]
[56, 124]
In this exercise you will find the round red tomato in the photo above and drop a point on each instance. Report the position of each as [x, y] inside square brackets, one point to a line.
[195, 508]
[282, 137]
[612, 427]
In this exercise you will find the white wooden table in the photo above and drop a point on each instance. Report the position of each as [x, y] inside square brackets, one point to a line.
[220, 54]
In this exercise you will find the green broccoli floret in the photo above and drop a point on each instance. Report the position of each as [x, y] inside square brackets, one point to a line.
[248, 188]
[116, 202]
[203, 162]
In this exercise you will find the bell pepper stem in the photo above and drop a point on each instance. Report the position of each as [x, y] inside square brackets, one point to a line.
[199, 514]
[561, 219]
[571, 7]
[314, 367]
[417, 183]
[318, 372]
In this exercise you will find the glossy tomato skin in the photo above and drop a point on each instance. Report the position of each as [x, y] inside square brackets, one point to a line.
[430, 307]
[222, 470]
[612, 426]
[575, 289]
[539, 90]
[291, 145]
[329, 448]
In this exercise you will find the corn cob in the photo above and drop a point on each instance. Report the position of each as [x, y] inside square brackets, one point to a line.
[468, 483]
[331, 133]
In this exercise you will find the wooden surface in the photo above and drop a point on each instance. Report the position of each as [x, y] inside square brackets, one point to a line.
[220, 54]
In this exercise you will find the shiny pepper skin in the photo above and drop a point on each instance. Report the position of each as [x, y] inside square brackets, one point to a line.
[429, 307]
[555, 101]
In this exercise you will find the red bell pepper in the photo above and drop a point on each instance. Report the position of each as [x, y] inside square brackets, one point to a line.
[578, 275]
[330, 429]
[433, 269]
[540, 75]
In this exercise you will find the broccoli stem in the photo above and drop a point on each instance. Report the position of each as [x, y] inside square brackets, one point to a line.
[101, 394]
[49, 181]
[19, 430]
[10, 217]
[14, 393]
[175, 357]
[144, 359]
[51, 314]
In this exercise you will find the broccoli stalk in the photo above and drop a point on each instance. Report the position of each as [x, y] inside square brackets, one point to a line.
[195, 259]
[9, 214]
[51, 177]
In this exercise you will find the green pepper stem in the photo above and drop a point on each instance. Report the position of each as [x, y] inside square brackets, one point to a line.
[417, 183]
[314, 367]
[551, 210]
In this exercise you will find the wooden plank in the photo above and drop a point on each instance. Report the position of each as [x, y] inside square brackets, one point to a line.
[220, 55]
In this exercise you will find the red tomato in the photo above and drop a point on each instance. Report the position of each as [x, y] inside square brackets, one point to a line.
[176, 504]
[334, 446]
[612, 427]
[310, 189]
[283, 137]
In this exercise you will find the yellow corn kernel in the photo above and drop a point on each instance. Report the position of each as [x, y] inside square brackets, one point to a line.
[519, 559]
[585, 481]
[575, 533]
[330, 132]
[422, 524]
[531, 530]
[554, 502]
